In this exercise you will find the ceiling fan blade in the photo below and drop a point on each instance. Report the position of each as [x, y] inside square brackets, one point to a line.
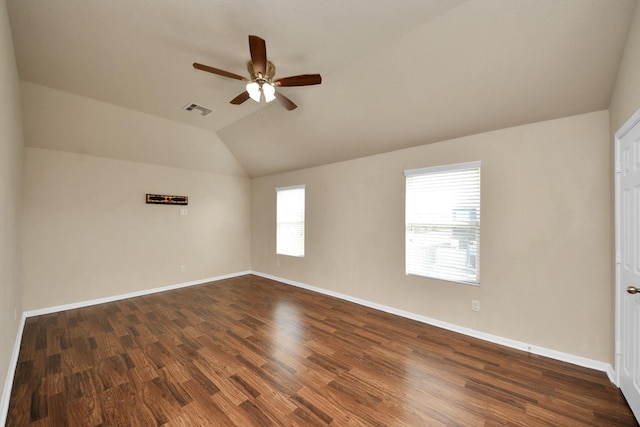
[218, 71]
[301, 80]
[285, 102]
[258, 49]
[240, 98]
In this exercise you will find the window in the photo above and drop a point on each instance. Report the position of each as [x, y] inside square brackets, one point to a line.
[290, 221]
[443, 222]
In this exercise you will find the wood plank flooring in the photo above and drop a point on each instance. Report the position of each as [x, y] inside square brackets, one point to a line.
[249, 351]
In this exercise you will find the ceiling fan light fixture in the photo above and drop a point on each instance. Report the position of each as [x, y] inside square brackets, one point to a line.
[260, 81]
[269, 92]
[254, 91]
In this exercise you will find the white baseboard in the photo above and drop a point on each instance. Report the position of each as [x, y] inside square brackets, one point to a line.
[518, 345]
[55, 309]
[13, 364]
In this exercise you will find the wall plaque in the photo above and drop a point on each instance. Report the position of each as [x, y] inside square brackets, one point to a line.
[167, 200]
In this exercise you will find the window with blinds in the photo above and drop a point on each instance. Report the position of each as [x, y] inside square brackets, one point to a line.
[290, 221]
[443, 222]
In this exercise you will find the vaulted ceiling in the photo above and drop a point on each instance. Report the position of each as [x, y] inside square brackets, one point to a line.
[395, 74]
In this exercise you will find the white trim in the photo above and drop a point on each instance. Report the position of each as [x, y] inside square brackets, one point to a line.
[443, 168]
[13, 364]
[620, 133]
[291, 187]
[518, 345]
[616, 267]
[628, 125]
[81, 304]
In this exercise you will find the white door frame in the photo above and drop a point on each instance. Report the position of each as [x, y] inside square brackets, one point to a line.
[626, 127]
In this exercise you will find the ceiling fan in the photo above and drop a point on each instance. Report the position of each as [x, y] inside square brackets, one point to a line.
[261, 72]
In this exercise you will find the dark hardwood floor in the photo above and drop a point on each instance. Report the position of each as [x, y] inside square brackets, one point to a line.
[249, 351]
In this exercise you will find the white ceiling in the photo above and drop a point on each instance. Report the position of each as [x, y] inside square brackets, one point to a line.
[395, 74]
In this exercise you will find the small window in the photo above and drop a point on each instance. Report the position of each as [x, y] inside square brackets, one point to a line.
[290, 221]
[443, 222]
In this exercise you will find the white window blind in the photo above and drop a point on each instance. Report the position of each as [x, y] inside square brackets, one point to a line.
[443, 222]
[290, 221]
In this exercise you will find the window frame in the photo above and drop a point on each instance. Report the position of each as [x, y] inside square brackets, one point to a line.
[460, 277]
[281, 245]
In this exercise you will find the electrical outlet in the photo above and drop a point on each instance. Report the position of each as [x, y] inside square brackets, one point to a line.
[183, 269]
[475, 305]
[183, 211]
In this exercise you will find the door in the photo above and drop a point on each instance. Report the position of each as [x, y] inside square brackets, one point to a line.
[628, 261]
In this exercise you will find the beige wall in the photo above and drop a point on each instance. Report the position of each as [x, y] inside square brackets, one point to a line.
[10, 189]
[545, 235]
[88, 232]
[626, 95]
